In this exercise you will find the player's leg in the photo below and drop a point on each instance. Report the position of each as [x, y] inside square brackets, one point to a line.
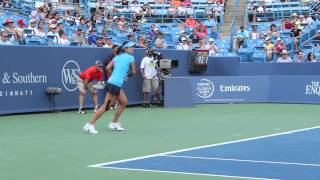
[123, 102]
[89, 126]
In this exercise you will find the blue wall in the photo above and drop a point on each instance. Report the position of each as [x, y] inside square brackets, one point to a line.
[47, 65]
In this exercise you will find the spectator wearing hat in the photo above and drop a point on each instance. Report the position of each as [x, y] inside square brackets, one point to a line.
[279, 45]
[78, 36]
[300, 57]
[210, 22]
[32, 25]
[182, 34]
[53, 33]
[107, 42]
[92, 37]
[268, 49]
[211, 46]
[9, 26]
[284, 57]
[39, 30]
[311, 57]
[183, 45]
[63, 38]
[19, 32]
[296, 34]
[99, 42]
[4, 38]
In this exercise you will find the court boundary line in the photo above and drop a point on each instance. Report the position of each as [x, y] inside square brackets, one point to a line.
[187, 173]
[244, 160]
[205, 146]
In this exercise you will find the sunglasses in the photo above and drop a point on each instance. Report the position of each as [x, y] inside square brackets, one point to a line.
[5, 36]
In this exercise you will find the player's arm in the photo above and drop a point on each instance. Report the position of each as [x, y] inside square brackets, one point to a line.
[132, 69]
[109, 67]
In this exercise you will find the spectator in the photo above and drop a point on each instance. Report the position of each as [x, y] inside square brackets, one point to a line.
[280, 46]
[122, 23]
[299, 57]
[160, 43]
[172, 11]
[242, 35]
[141, 43]
[209, 22]
[284, 57]
[63, 38]
[135, 7]
[131, 38]
[307, 19]
[38, 14]
[190, 22]
[39, 31]
[269, 49]
[182, 34]
[60, 26]
[19, 32]
[32, 25]
[183, 45]
[176, 3]
[254, 34]
[99, 42]
[201, 45]
[201, 31]
[108, 42]
[286, 24]
[273, 32]
[53, 33]
[82, 24]
[311, 57]
[190, 44]
[4, 38]
[194, 37]
[213, 33]
[296, 34]
[146, 10]
[92, 38]
[153, 32]
[78, 36]
[212, 47]
[9, 28]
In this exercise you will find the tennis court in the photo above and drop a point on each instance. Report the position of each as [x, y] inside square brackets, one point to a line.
[219, 141]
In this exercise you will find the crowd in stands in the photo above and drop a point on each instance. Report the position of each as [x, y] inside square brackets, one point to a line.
[47, 23]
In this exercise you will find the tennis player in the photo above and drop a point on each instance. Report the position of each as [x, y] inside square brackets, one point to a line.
[121, 65]
[93, 73]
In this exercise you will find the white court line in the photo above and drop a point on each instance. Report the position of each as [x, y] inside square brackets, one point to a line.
[244, 160]
[186, 173]
[200, 147]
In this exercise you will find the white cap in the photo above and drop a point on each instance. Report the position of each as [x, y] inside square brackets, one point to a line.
[52, 26]
[115, 17]
[182, 31]
[183, 39]
[278, 39]
[211, 40]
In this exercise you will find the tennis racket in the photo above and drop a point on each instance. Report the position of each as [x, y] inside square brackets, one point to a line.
[98, 84]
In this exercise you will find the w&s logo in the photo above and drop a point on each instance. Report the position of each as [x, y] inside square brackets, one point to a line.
[70, 70]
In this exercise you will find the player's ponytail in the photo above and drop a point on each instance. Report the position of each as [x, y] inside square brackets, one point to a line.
[120, 50]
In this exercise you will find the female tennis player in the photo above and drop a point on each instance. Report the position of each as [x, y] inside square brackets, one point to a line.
[121, 64]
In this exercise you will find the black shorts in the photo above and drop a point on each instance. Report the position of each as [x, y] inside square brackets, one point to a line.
[113, 89]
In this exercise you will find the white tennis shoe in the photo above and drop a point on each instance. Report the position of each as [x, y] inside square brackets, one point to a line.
[116, 126]
[89, 128]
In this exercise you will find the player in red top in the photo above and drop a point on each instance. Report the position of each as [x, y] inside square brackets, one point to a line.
[93, 73]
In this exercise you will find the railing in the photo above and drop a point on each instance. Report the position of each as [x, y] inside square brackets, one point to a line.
[233, 31]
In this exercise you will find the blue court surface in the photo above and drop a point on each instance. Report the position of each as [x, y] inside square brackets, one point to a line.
[293, 155]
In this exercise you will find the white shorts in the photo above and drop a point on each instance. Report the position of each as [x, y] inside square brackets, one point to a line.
[150, 84]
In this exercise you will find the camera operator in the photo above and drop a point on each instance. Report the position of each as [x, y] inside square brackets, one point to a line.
[148, 70]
